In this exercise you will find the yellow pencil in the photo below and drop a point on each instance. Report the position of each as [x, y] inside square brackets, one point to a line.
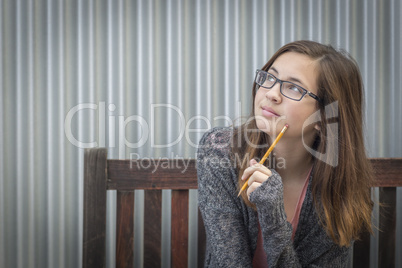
[266, 154]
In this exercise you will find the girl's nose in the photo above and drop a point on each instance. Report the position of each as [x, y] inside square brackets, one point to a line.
[274, 94]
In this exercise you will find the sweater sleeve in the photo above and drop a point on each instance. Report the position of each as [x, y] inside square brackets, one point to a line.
[227, 239]
[277, 232]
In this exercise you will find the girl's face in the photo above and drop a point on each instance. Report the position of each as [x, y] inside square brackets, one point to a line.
[273, 110]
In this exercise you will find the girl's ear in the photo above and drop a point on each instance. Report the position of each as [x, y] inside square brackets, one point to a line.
[317, 127]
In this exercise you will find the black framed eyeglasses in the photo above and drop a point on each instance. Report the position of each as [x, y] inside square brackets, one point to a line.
[288, 89]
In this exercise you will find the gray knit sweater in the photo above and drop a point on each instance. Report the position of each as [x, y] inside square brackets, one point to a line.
[232, 227]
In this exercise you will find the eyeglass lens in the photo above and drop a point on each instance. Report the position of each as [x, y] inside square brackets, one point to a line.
[288, 89]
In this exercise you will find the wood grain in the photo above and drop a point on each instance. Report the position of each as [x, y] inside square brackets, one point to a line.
[361, 251]
[152, 228]
[125, 229]
[182, 174]
[167, 174]
[387, 172]
[179, 230]
[94, 240]
[386, 235]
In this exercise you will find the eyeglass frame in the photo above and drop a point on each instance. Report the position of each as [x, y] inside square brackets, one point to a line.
[305, 91]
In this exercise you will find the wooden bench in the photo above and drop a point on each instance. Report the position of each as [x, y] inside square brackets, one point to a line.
[125, 176]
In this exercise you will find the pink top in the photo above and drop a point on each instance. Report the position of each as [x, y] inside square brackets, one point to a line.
[260, 258]
[299, 204]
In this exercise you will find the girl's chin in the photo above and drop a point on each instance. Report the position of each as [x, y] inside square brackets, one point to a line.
[270, 127]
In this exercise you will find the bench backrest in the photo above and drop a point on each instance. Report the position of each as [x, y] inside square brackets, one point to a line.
[125, 176]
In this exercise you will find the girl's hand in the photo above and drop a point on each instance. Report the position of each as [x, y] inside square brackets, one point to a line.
[257, 174]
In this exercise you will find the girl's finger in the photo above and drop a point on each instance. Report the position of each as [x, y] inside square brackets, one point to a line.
[253, 162]
[258, 177]
[252, 188]
[256, 167]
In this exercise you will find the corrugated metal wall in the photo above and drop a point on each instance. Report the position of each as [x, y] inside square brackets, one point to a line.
[133, 75]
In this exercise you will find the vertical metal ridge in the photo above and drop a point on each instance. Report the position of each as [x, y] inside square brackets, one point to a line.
[120, 76]
[392, 78]
[381, 76]
[180, 64]
[236, 67]
[319, 7]
[291, 9]
[364, 69]
[126, 63]
[150, 54]
[347, 27]
[171, 81]
[399, 23]
[215, 67]
[8, 77]
[139, 57]
[110, 98]
[282, 31]
[90, 59]
[31, 139]
[398, 11]
[59, 111]
[19, 140]
[51, 254]
[226, 57]
[338, 20]
[256, 36]
[208, 56]
[78, 73]
[2, 140]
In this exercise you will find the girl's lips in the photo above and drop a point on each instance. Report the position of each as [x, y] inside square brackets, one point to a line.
[268, 112]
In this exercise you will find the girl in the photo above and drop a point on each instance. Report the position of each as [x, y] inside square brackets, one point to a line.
[307, 206]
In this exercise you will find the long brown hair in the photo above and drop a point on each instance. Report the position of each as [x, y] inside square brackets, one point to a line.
[341, 191]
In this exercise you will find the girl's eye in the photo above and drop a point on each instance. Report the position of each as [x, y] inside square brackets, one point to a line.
[270, 78]
[294, 88]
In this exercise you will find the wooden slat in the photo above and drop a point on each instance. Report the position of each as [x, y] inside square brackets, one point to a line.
[201, 241]
[125, 229]
[179, 240]
[94, 241]
[152, 228]
[145, 174]
[182, 174]
[387, 235]
[361, 251]
[387, 171]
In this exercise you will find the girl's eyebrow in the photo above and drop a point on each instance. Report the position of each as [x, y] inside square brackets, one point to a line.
[291, 79]
[273, 69]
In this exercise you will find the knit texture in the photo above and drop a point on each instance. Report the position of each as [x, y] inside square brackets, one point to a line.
[232, 227]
